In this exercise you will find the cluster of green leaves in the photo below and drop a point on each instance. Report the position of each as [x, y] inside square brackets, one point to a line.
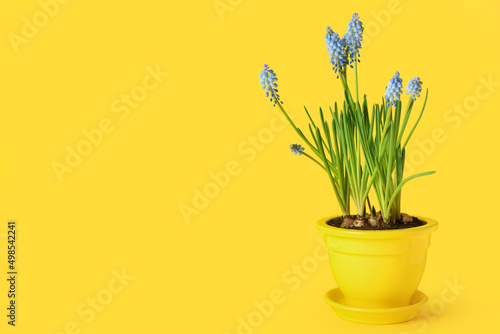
[361, 151]
[384, 150]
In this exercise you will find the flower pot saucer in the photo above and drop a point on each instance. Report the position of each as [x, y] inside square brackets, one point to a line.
[379, 316]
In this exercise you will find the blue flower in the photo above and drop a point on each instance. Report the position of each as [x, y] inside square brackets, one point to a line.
[354, 36]
[297, 149]
[337, 49]
[394, 89]
[414, 87]
[268, 81]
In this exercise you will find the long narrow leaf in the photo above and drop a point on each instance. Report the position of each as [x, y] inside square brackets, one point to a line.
[418, 120]
[398, 189]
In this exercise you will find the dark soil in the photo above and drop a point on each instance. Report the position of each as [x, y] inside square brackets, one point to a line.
[395, 226]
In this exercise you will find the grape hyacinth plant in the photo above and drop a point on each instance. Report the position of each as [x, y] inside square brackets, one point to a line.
[361, 148]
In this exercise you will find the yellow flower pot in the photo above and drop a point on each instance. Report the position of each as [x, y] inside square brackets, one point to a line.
[377, 271]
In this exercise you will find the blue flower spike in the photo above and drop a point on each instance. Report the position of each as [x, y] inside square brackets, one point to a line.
[394, 90]
[414, 87]
[354, 36]
[268, 81]
[297, 149]
[337, 49]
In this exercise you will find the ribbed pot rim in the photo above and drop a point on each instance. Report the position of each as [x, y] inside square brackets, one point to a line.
[430, 226]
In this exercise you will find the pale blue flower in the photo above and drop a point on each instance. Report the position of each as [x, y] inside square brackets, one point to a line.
[394, 90]
[354, 36]
[337, 49]
[414, 87]
[268, 81]
[297, 149]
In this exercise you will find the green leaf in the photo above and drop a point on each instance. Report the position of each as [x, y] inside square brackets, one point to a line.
[398, 189]
[418, 120]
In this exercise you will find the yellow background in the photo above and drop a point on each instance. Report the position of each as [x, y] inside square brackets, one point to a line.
[120, 208]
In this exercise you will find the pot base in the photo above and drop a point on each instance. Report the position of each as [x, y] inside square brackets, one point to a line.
[375, 316]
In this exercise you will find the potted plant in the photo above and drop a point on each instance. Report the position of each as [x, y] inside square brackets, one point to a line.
[377, 257]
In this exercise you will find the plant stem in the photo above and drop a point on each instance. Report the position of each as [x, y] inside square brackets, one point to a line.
[369, 204]
[341, 201]
[356, 78]
[307, 155]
